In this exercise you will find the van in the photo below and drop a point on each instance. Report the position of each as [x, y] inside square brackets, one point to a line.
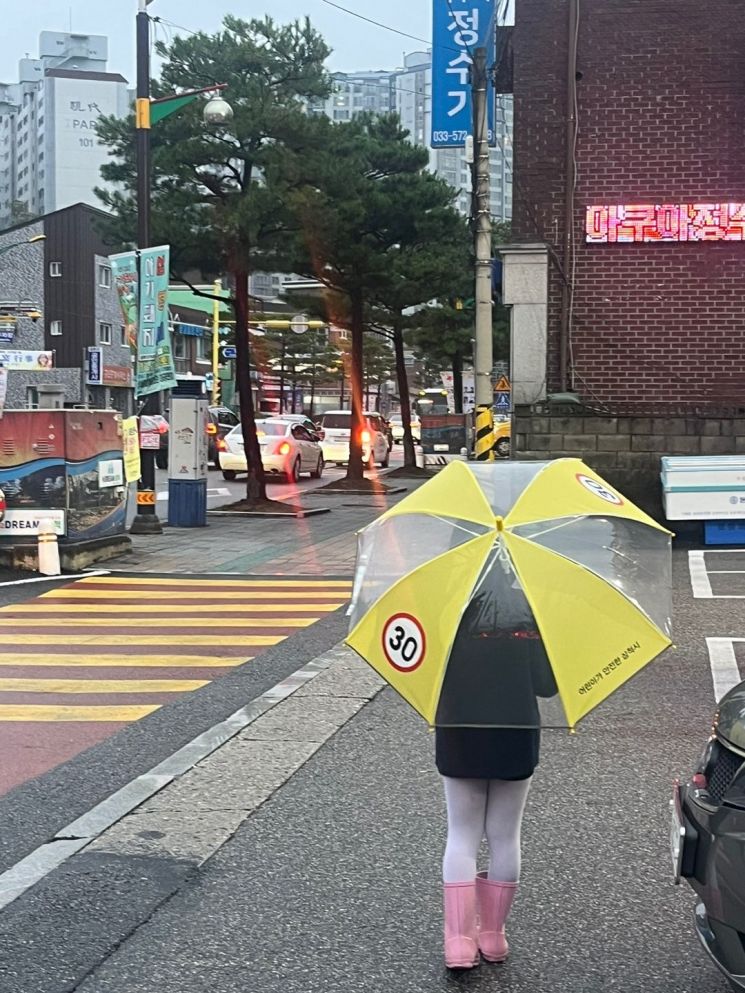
[337, 428]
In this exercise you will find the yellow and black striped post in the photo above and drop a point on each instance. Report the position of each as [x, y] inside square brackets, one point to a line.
[484, 447]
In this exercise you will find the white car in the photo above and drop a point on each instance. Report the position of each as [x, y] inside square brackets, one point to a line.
[287, 449]
[397, 428]
[337, 429]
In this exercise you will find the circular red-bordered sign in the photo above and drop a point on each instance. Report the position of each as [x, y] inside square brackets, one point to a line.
[598, 489]
[404, 642]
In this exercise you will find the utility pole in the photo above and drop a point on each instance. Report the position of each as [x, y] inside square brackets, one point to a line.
[217, 291]
[146, 521]
[483, 358]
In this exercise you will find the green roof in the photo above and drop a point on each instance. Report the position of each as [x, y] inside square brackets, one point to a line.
[192, 301]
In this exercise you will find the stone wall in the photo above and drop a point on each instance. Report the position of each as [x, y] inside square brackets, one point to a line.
[626, 450]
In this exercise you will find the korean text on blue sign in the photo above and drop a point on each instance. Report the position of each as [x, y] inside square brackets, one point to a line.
[459, 27]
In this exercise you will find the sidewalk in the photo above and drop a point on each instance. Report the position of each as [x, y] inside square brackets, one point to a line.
[318, 545]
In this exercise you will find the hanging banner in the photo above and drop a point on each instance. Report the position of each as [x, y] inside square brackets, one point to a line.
[155, 369]
[131, 449]
[458, 29]
[124, 272]
[3, 388]
[27, 361]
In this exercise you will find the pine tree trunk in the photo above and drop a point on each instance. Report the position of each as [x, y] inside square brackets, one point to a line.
[403, 391]
[255, 481]
[355, 468]
[458, 382]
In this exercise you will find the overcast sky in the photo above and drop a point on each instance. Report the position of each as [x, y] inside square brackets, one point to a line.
[356, 44]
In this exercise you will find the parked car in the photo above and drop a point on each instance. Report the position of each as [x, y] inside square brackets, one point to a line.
[310, 426]
[2, 505]
[220, 421]
[708, 838]
[397, 428]
[502, 436]
[287, 449]
[337, 428]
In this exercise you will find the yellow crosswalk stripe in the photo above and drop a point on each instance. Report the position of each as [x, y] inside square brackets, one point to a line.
[156, 622]
[154, 596]
[137, 610]
[57, 714]
[344, 584]
[148, 661]
[101, 685]
[236, 640]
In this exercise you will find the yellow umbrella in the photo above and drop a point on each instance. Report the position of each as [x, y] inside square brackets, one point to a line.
[511, 594]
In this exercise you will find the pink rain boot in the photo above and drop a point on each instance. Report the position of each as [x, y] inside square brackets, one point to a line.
[494, 903]
[461, 940]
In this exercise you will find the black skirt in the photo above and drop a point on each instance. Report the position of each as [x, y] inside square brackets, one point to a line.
[487, 753]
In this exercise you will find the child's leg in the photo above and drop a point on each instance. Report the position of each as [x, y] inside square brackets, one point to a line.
[466, 806]
[504, 815]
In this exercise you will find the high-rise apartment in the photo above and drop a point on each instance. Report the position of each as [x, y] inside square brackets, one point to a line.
[50, 156]
[408, 92]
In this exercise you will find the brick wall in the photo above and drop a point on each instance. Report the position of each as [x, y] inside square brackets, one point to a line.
[661, 103]
[626, 450]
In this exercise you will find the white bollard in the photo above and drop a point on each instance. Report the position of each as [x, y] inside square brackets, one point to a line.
[49, 564]
[419, 456]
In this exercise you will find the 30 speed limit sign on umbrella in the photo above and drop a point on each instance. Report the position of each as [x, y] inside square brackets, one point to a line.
[511, 594]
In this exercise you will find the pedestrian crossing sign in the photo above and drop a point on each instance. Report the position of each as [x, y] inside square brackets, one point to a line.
[503, 386]
[502, 402]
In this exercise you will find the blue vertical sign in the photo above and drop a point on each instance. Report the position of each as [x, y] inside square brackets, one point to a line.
[458, 28]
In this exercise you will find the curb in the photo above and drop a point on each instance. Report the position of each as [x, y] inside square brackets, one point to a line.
[258, 513]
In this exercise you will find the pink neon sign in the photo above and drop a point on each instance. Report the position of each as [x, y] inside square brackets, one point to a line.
[650, 222]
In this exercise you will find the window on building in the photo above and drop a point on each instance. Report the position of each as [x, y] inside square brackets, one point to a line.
[123, 336]
[179, 346]
[203, 351]
[104, 334]
[55, 268]
[55, 328]
[104, 276]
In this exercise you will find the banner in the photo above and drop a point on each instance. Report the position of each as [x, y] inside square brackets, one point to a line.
[458, 29]
[3, 388]
[143, 298]
[131, 449]
[124, 271]
[27, 361]
[155, 369]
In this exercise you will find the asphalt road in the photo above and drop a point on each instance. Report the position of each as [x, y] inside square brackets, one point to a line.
[333, 883]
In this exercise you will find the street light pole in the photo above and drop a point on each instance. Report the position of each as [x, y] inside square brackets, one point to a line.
[146, 521]
[216, 290]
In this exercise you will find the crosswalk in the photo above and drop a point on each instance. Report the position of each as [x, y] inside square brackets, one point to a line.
[116, 648]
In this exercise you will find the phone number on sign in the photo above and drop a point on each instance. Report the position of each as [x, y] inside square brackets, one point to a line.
[446, 137]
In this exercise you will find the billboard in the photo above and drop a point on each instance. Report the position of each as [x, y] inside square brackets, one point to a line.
[458, 28]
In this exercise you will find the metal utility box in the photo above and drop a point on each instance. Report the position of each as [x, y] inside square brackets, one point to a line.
[187, 462]
[65, 466]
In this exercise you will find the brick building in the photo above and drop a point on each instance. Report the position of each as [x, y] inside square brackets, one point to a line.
[660, 131]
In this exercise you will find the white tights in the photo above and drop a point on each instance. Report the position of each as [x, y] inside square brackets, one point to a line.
[478, 807]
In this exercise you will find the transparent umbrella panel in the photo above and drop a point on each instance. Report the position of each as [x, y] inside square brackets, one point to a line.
[394, 547]
[633, 558]
[498, 673]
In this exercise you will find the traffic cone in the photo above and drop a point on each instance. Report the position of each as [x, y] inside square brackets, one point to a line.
[49, 564]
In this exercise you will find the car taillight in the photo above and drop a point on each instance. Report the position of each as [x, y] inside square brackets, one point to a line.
[211, 428]
[284, 448]
[321, 435]
[365, 437]
[221, 446]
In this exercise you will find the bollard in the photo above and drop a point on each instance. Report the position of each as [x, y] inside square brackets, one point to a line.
[419, 456]
[49, 564]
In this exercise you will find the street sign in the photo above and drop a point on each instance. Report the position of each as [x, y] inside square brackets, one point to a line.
[503, 402]
[299, 323]
[503, 386]
[228, 351]
[457, 31]
[94, 376]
